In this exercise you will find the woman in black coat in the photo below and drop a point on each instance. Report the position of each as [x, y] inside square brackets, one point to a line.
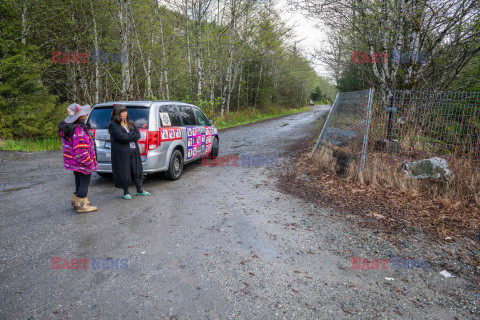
[126, 160]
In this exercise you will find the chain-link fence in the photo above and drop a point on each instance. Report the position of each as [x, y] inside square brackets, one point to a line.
[418, 125]
[403, 129]
[346, 129]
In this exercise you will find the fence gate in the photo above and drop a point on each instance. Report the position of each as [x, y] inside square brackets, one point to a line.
[347, 125]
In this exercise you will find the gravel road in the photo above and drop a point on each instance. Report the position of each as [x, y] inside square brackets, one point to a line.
[220, 243]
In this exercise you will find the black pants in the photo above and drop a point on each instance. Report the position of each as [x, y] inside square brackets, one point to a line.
[133, 171]
[81, 183]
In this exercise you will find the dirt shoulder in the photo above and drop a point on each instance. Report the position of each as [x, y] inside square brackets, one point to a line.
[393, 215]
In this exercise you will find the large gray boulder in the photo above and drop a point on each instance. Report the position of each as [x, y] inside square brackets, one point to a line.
[431, 169]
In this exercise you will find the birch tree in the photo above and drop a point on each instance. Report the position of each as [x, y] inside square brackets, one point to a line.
[97, 49]
[124, 33]
[445, 33]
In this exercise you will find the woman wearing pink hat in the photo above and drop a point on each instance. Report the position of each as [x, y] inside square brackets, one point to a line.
[78, 154]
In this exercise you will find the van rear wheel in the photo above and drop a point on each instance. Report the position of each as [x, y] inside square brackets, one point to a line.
[175, 167]
[105, 175]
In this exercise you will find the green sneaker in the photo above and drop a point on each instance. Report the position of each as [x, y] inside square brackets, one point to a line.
[143, 193]
[127, 197]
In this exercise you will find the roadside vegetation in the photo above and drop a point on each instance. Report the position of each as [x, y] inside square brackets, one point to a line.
[45, 144]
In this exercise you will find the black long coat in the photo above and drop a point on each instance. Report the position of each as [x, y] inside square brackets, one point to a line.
[123, 173]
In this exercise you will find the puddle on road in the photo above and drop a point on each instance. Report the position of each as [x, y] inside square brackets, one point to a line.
[22, 188]
[283, 125]
[251, 240]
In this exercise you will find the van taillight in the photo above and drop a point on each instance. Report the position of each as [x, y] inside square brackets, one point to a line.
[142, 142]
[153, 141]
[92, 131]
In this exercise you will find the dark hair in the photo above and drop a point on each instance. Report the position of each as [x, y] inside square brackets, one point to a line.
[115, 117]
[66, 130]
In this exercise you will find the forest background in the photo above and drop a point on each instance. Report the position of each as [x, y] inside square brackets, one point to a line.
[235, 59]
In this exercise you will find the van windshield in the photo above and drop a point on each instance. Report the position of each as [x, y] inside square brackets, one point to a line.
[100, 117]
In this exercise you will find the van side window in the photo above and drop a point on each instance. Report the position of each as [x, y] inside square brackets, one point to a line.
[201, 118]
[187, 115]
[173, 114]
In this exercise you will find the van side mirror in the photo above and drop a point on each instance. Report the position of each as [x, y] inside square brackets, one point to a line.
[211, 121]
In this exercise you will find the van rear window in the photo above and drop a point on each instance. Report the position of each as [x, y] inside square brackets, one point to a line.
[100, 117]
[173, 114]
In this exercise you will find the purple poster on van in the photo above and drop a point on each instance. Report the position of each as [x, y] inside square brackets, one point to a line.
[194, 139]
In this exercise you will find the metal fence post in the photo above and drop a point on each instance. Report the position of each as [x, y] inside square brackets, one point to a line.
[325, 125]
[390, 118]
[365, 136]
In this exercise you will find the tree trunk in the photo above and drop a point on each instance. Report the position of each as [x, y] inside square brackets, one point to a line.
[199, 67]
[97, 65]
[258, 86]
[146, 68]
[239, 87]
[228, 75]
[187, 33]
[123, 20]
[164, 59]
[230, 89]
[24, 22]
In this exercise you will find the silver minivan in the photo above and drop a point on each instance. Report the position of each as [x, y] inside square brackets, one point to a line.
[172, 133]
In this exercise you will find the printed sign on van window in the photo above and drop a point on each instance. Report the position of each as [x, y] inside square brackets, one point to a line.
[165, 119]
[170, 134]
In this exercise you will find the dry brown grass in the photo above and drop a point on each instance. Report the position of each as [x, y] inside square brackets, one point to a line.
[384, 191]
[324, 157]
[383, 171]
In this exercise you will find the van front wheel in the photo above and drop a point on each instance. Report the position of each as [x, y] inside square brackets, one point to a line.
[175, 167]
[215, 148]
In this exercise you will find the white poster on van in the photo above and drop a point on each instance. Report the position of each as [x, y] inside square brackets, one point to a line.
[165, 119]
[164, 134]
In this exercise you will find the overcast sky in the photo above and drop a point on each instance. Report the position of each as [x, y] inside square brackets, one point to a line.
[310, 36]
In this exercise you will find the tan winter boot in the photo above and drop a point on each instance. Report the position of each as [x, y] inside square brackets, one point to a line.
[74, 199]
[83, 205]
